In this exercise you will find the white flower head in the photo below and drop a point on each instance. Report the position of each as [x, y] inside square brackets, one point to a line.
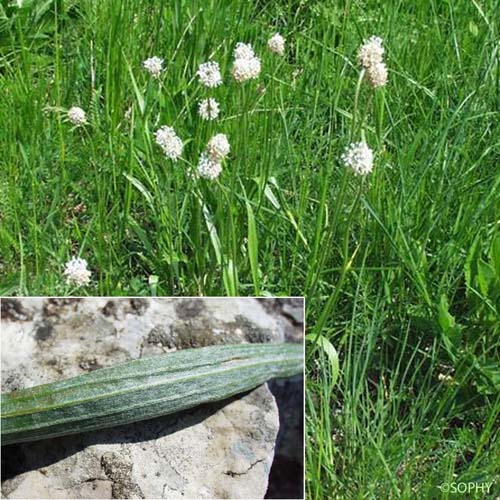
[246, 69]
[128, 112]
[208, 168]
[377, 75]
[77, 116]
[276, 44]
[371, 52]
[76, 272]
[208, 109]
[209, 74]
[243, 51]
[154, 65]
[169, 142]
[446, 378]
[218, 147]
[358, 157]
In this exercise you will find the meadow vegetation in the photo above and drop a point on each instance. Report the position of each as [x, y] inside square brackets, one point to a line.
[400, 266]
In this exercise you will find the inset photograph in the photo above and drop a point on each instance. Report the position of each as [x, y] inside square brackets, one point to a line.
[152, 398]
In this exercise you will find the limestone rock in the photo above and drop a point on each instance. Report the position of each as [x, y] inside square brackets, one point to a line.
[214, 451]
[221, 450]
[60, 338]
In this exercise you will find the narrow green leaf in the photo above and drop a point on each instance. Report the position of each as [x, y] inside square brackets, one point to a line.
[253, 249]
[446, 320]
[495, 255]
[230, 278]
[138, 95]
[212, 231]
[330, 352]
[141, 188]
[143, 389]
[485, 276]
[268, 192]
[452, 333]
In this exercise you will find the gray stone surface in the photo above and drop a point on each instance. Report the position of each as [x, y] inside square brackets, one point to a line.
[222, 450]
[288, 465]
[216, 451]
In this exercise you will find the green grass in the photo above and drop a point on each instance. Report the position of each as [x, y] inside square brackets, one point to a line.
[400, 270]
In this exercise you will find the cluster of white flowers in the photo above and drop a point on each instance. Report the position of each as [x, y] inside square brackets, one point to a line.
[208, 109]
[209, 74]
[169, 142]
[359, 157]
[218, 147]
[276, 44]
[208, 168]
[76, 272]
[243, 51]
[246, 65]
[377, 75]
[371, 52]
[154, 65]
[77, 116]
[209, 165]
[370, 56]
[246, 69]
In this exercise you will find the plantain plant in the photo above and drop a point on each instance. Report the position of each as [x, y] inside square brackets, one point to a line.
[143, 389]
